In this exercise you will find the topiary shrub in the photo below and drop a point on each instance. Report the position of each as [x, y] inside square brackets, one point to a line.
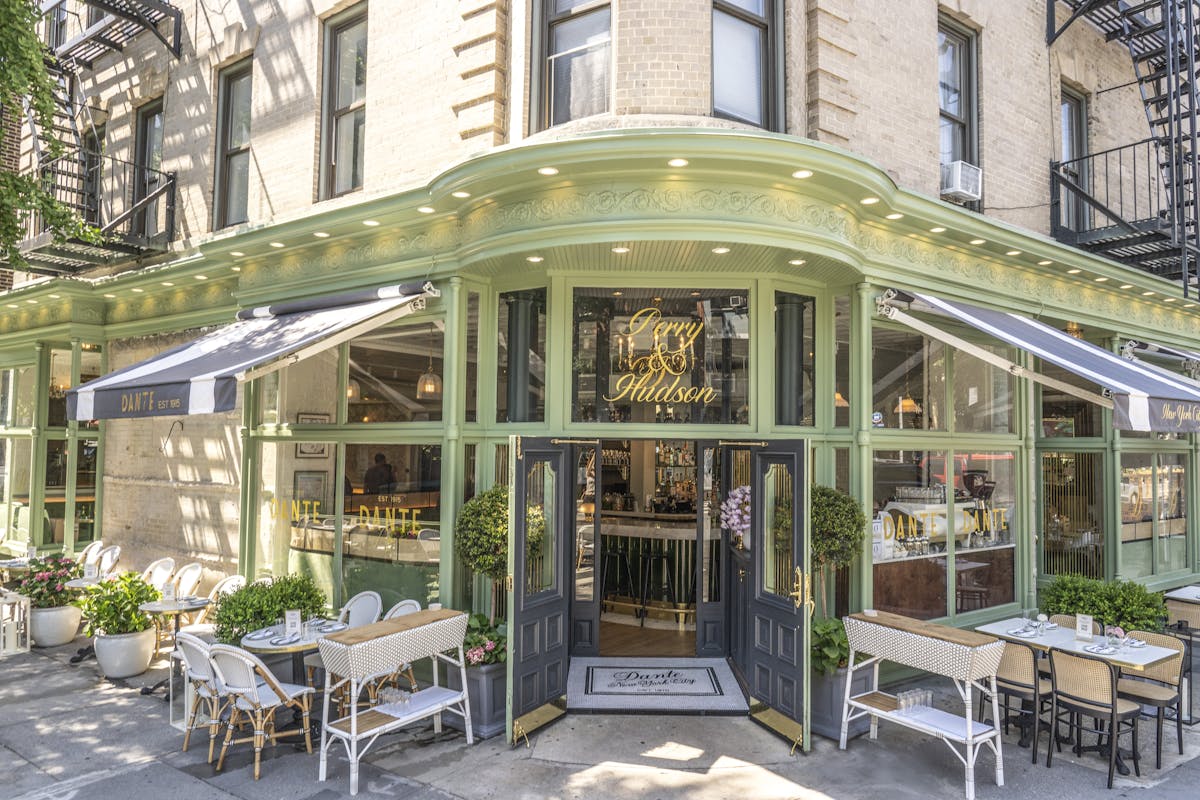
[481, 537]
[259, 604]
[838, 527]
[1124, 603]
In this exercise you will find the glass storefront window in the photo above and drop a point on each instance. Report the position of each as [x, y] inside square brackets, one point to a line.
[90, 367]
[17, 397]
[60, 382]
[396, 374]
[15, 523]
[985, 500]
[911, 520]
[841, 362]
[472, 365]
[521, 360]
[85, 491]
[1172, 513]
[661, 355]
[909, 380]
[1153, 513]
[983, 394]
[304, 393]
[1065, 415]
[794, 345]
[1072, 496]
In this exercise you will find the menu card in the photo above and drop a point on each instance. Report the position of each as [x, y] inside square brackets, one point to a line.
[1083, 627]
[168, 592]
[31, 553]
[291, 622]
[89, 571]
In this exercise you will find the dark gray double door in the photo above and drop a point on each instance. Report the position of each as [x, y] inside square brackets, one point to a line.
[750, 586]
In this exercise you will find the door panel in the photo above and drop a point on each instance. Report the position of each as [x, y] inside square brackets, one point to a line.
[542, 523]
[585, 603]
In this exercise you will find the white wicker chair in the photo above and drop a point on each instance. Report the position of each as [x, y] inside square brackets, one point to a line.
[187, 578]
[107, 560]
[239, 674]
[198, 671]
[159, 572]
[200, 626]
[90, 554]
[362, 609]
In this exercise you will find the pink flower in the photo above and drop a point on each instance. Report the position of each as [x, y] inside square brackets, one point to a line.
[58, 587]
[475, 655]
[490, 646]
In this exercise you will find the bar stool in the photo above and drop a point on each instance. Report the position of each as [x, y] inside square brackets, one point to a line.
[618, 559]
[649, 561]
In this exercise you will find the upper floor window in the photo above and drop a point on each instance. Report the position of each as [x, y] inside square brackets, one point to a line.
[578, 54]
[1073, 124]
[94, 15]
[956, 94]
[56, 26]
[233, 145]
[345, 104]
[742, 76]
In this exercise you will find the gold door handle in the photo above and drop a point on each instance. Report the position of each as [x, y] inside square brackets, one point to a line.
[801, 593]
[741, 574]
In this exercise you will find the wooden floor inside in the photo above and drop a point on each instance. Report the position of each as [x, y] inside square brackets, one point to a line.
[630, 640]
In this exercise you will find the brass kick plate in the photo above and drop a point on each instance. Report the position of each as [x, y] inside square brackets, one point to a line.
[783, 725]
[538, 718]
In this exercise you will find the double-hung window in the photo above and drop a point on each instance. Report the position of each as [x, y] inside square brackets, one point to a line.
[743, 81]
[956, 94]
[578, 36]
[233, 145]
[345, 104]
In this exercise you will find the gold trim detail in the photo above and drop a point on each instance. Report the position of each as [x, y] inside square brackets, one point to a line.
[538, 718]
[781, 724]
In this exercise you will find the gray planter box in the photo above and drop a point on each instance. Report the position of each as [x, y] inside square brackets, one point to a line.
[827, 694]
[486, 689]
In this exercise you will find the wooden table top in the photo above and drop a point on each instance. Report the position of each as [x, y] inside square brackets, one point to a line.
[366, 633]
[933, 630]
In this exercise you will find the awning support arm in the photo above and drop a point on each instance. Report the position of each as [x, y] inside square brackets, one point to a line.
[885, 309]
[332, 341]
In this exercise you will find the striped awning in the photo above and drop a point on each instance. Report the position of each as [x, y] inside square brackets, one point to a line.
[1142, 396]
[201, 377]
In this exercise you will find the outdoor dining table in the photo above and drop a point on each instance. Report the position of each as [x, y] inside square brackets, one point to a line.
[174, 608]
[259, 643]
[83, 583]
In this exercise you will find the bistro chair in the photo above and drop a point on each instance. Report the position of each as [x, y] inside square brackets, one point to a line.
[107, 560]
[393, 678]
[362, 609]
[1086, 686]
[90, 554]
[188, 578]
[159, 572]
[1160, 689]
[200, 626]
[1017, 677]
[239, 674]
[198, 671]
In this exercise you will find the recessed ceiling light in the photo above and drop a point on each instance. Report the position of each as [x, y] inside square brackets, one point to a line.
[321, 234]
[235, 269]
[797, 262]
[109, 296]
[167, 283]
[371, 223]
[534, 259]
[1189, 305]
[620, 250]
[236, 253]
[426, 209]
[895, 215]
[1013, 253]
[694, 293]
[137, 290]
[200, 277]
[1101, 279]
[1147, 294]
[677, 162]
[276, 244]
[979, 241]
[1126, 285]
[937, 229]
[802, 174]
[869, 201]
[14, 305]
[547, 170]
[32, 302]
[1045, 262]
[1075, 271]
[1170, 299]
[460, 194]
[55, 296]
[720, 250]
[617, 294]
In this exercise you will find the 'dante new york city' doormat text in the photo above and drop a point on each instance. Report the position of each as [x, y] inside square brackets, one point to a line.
[683, 685]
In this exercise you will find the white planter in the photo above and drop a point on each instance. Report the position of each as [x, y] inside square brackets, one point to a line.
[51, 627]
[126, 654]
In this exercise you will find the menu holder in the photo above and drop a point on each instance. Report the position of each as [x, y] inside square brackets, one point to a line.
[168, 592]
[291, 623]
[31, 552]
[89, 572]
[1083, 627]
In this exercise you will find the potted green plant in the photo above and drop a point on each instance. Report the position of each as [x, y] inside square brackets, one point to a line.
[53, 616]
[259, 604]
[481, 538]
[124, 634]
[486, 652]
[838, 529]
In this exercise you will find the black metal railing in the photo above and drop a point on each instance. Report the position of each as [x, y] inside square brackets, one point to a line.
[129, 203]
[1107, 193]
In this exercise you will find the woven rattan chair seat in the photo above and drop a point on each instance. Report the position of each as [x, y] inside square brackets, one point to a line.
[1125, 708]
[269, 698]
[1022, 690]
[1148, 693]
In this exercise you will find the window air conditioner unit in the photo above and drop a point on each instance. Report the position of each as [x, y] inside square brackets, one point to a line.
[961, 181]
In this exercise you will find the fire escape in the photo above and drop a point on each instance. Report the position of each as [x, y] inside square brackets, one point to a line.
[1137, 203]
[131, 202]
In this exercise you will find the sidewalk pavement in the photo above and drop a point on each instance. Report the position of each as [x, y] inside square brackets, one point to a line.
[67, 733]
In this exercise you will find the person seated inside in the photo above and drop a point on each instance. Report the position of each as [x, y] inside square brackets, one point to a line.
[379, 478]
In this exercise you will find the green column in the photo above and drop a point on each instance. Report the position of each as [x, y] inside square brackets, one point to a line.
[454, 398]
[861, 313]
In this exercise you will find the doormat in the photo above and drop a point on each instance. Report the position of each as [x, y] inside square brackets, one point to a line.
[658, 685]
